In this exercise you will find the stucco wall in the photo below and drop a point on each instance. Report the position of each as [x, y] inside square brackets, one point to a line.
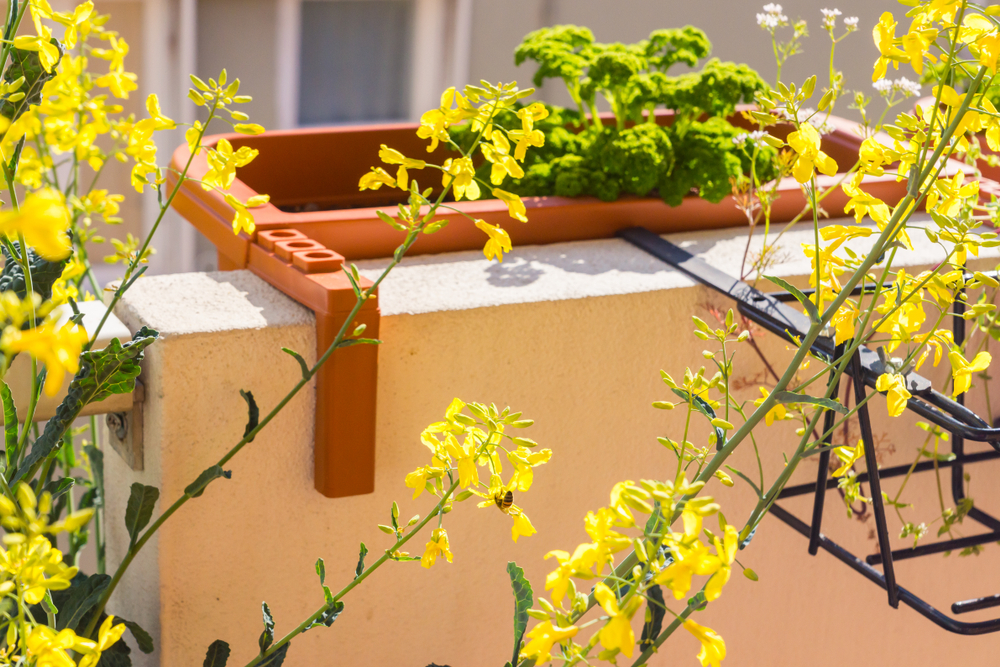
[574, 335]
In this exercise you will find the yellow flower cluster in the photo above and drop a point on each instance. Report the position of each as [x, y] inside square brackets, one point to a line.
[460, 446]
[666, 558]
[29, 569]
[483, 107]
[948, 193]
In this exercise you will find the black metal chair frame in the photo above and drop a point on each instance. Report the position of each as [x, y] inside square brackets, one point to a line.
[770, 312]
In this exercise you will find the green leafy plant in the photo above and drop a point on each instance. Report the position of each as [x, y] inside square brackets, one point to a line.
[643, 152]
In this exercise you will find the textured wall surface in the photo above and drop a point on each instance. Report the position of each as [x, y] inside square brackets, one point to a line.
[574, 335]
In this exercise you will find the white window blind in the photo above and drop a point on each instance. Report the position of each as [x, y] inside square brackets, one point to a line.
[354, 61]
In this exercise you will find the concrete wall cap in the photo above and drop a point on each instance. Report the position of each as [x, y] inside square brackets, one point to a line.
[465, 280]
[192, 303]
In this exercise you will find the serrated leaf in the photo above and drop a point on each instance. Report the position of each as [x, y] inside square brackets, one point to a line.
[276, 658]
[197, 487]
[523, 600]
[142, 638]
[102, 373]
[361, 560]
[799, 296]
[298, 357]
[792, 397]
[139, 510]
[218, 654]
[254, 413]
[267, 636]
[82, 598]
[657, 609]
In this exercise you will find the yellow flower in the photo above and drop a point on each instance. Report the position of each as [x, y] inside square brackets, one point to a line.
[498, 243]
[777, 411]
[542, 637]
[617, 633]
[106, 637]
[843, 321]
[916, 43]
[437, 545]
[223, 162]
[47, 648]
[58, 348]
[713, 648]
[375, 179]
[461, 174]
[806, 143]
[894, 385]
[515, 207]
[962, 370]
[159, 121]
[689, 560]
[884, 34]
[848, 456]
[726, 550]
[522, 525]
[864, 204]
[524, 461]
[498, 153]
[392, 156]
[44, 220]
[243, 220]
[48, 53]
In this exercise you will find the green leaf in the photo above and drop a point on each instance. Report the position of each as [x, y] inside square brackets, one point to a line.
[254, 413]
[321, 571]
[799, 296]
[27, 64]
[102, 373]
[298, 357]
[218, 654]
[361, 561]
[327, 618]
[792, 397]
[197, 487]
[57, 487]
[142, 638]
[9, 423]
[523, 599]
[266, 637]
[276, 658]
[657, 610]
[43, 272]
[82, 598]
[96, 458]
[139, 510]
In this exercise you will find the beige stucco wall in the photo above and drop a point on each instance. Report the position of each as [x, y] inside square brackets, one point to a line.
[575, 336]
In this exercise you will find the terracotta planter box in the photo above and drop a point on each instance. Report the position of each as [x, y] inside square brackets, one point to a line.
[317, 217]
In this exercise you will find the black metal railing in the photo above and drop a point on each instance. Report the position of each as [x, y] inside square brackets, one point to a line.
[770, 312]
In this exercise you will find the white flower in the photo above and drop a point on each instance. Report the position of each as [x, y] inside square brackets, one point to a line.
[830, 18]
[756, 138]
[851, 22]
[771, 17]
[908, 88]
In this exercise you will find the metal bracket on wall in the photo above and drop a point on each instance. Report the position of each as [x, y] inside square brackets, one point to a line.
[125, 429]
[770, 312]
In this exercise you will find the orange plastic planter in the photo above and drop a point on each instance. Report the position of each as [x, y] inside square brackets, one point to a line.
[317, 217]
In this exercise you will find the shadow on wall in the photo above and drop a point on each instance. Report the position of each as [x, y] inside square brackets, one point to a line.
[528, 264]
